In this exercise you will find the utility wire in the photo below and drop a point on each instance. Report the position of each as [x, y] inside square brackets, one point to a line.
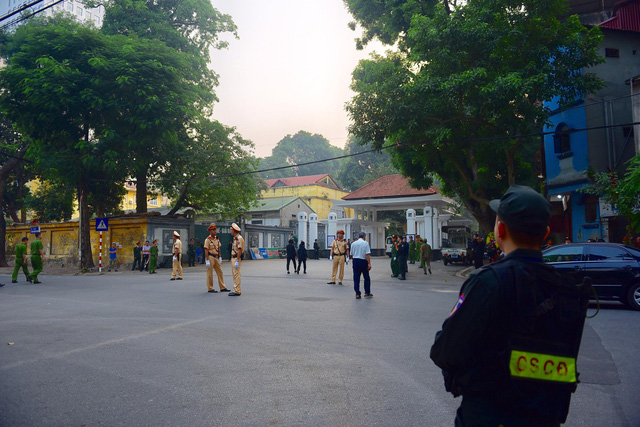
[22, 18]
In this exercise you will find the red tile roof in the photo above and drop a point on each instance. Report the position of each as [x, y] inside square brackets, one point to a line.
[300, 180]
[626, 16]
[388, 186]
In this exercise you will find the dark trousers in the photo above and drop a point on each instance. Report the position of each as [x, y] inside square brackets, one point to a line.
[402, 264]
[191, 259]
[360, 266]
[145, 262]
[136, 261]
[317, 251]
[300, 262]
[478, 261]
[289, 259]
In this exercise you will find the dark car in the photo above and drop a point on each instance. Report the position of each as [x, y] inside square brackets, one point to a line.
[613, 268]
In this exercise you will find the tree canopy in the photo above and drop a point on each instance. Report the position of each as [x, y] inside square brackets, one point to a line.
[465, 87]
[361, 169]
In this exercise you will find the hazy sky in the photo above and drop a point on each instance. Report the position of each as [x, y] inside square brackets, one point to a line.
[289, 71]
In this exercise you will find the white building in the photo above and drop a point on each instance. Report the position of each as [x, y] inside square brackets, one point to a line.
[49, 8]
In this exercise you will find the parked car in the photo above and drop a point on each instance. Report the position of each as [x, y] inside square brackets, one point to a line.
[613, 268]
[457, 248]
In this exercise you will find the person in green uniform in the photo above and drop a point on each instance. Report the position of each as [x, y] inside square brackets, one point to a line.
[419, 244]
[191, 253]
[21, 261]
[394, 256]
[153, 257]
[37, 258]
[412, 250]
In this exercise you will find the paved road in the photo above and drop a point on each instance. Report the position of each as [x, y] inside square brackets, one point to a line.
[130, 348]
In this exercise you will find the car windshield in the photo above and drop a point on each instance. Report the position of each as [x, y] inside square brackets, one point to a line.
[563, 254]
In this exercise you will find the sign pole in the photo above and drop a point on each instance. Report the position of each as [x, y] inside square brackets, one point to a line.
[100, 256]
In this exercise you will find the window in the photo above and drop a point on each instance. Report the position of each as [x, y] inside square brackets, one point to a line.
[591, 209]
[153, 202]
[610, 52]
[563, 254]
[600, 253]
[80, 11]
[562, 139]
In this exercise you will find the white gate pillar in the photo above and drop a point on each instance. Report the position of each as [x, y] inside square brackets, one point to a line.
[302, 228]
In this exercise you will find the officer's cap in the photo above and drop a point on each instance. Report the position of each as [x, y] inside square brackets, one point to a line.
[235, 227]
[340, 232]
[524, 209]
[175, 233]
[212, 226]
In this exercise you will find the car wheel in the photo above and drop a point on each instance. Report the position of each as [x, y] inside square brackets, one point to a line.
[633, 296]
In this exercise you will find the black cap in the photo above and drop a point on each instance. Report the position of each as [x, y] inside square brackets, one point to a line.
[524, 209]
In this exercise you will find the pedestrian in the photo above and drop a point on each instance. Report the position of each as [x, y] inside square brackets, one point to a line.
[21, 261]
[291, 255]
[302, 257]
[338, 255]
[213, 256]
[191, 253]
[394, 256]
[425, 256]
[403, 254]
[478, 253]
[37, 257]
[237, 253]
[113, 257]
[137, 256]
[419, 244]
[412, 250]
[510, 344]
[153, 257]
[316, 249]
[199, 252]
[145, 256]
[177, 257]
[361, 253]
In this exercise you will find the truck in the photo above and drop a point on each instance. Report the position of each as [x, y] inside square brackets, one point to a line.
[457, 248]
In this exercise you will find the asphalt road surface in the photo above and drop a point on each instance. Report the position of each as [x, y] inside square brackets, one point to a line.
[130, 348]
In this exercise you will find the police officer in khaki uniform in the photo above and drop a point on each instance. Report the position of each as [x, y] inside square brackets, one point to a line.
[339, 254]
[177, 257]
[237, 249]
[213, 259]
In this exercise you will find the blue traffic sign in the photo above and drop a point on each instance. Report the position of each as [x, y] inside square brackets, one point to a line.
[102, 224]
[35, 230]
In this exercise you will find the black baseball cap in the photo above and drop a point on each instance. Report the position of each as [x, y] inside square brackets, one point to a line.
[524, 209]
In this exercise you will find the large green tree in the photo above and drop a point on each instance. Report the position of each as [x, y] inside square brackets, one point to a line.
[187, 27]
[303, 147]
[465, 87]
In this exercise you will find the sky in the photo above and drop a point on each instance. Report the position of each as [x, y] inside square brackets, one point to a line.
[290, 70]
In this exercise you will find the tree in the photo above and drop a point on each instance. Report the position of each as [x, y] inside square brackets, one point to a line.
[52, 201]
[300, 148]
[214, 174]
[189, 28]
[623, 194]
[361, 169]
[464, 74]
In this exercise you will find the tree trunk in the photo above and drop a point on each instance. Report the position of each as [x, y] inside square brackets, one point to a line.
[5, 170]
[86, 257]
[141, 192]
[3, 229]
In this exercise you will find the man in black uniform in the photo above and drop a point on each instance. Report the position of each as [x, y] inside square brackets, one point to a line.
[403, 254]
[509, 346]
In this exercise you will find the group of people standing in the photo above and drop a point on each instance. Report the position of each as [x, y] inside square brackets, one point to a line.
[145, 258]
[37, 259]
[299, 254]
[403, 252]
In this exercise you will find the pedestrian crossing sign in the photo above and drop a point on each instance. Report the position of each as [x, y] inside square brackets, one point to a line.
[102, 224]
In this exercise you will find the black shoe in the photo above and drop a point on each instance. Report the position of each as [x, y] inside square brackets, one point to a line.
[36, 282]
[1, 285]
[331, 283]
[403, 278]
[29, 279]
[225, 290]
[368, 295]
[305, 272]
[213, 291]
[14, 281]
[429, 271]
[288, 272]
[233, 294]
[173, 278]
[358, 297]
[340, 283]
[179, 278]
[298, 272]
[394, 276]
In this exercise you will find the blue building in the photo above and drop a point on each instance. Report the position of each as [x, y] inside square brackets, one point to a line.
[609, 142]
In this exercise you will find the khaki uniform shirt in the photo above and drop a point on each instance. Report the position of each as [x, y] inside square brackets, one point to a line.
[339, 247]
[238, 246]
[213, 246]
[177, 247]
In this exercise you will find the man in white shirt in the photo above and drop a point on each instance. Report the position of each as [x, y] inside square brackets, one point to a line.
[361, 255]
